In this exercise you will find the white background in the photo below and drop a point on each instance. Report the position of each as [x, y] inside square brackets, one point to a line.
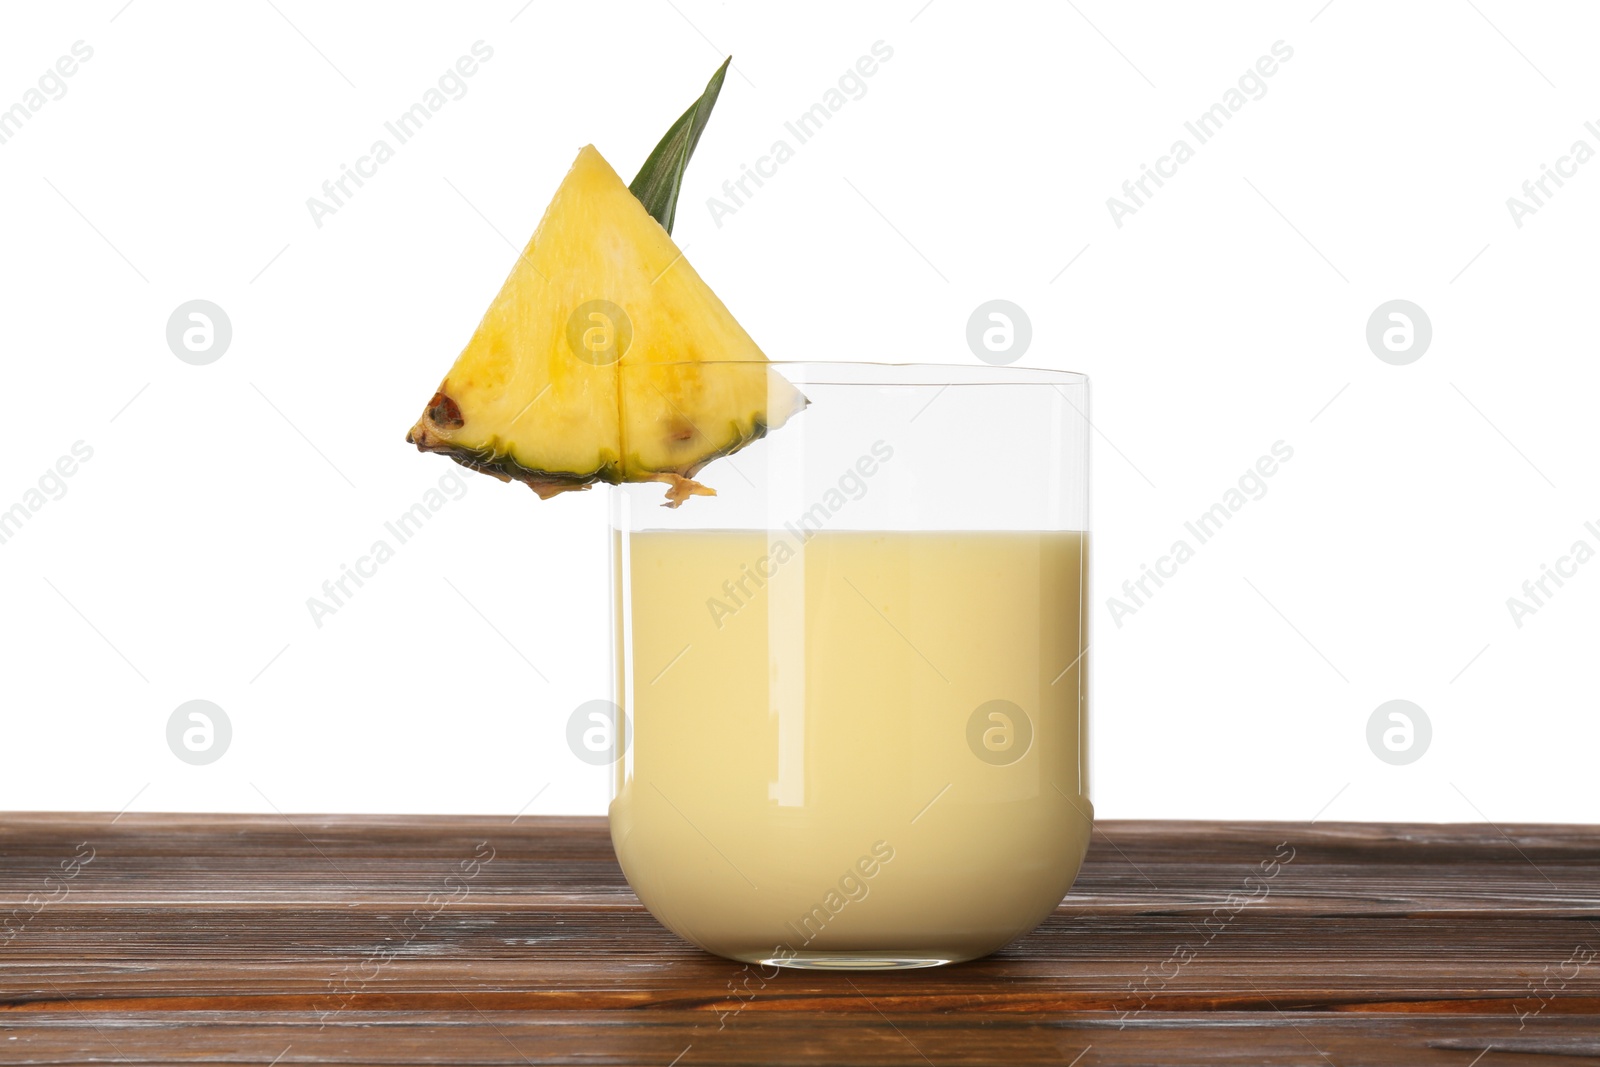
[1227, 314]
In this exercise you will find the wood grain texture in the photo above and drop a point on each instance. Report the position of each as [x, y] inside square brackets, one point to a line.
[306, 939]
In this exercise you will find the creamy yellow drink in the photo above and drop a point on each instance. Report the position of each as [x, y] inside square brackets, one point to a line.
[858, 748]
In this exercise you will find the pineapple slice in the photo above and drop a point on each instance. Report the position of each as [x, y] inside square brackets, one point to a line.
[604, 358]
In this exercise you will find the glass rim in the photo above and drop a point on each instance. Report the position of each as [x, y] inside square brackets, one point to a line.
[869, 372]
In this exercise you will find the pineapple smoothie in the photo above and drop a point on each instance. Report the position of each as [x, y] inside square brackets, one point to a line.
[843, 743]
[848, 748]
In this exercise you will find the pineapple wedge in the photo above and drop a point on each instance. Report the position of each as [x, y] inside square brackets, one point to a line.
[604, 358]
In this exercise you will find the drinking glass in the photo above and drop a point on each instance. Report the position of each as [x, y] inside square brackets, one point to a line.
[854, 682]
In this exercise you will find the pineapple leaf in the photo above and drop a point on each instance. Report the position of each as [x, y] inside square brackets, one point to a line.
[661, 177]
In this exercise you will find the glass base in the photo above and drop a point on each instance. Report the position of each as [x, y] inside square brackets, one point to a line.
[864, 961]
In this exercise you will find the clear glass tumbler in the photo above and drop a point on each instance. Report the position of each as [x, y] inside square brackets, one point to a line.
[855, 681]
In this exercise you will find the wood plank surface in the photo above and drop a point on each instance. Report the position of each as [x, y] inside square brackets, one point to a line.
[353, 940]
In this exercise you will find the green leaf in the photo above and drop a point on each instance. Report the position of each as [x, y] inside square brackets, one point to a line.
[661, 177]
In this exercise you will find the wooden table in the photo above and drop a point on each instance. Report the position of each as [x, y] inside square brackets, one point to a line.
[265, 939]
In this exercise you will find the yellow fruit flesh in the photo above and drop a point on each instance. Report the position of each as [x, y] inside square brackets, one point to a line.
[532, 399]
